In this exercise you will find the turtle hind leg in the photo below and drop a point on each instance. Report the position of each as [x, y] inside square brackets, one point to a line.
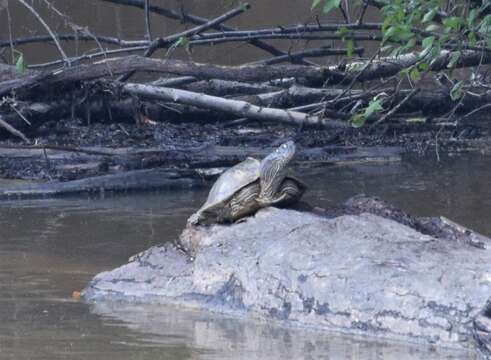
[244, 202]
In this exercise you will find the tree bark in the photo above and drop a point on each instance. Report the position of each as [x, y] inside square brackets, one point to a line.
[236, 107]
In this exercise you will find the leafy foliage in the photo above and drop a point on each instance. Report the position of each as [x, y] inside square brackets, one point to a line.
[375, 106]
[20, 64]
[425, 28]
[328, 4]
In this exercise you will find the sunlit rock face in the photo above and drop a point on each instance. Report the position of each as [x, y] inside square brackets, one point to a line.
[361, 274]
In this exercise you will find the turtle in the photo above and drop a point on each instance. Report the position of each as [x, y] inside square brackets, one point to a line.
[250, 185]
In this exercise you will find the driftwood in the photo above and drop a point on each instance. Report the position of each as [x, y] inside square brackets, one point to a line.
[126, 181]
[202, 157]
[122, 65]
[236, 107]
[248, 73]
[177, 109]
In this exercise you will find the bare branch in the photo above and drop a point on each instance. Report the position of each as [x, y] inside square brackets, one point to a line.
[317, 52]
[51, 33]
[162, 42]
[12, 130]
[147, 20]
[236, 107]
[181, 16]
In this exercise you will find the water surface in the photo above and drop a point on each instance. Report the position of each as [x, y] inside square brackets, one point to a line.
[49, 248]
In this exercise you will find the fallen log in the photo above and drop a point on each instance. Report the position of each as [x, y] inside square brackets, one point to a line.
[384, 67]
[225, 88]
[236, 107]
[128, 181]
[44, 82]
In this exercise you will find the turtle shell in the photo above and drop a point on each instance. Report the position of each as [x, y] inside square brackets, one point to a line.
[231, 181]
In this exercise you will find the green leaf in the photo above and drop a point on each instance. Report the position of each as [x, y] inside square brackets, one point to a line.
[429, 16]
[472, 16]
[456, 92]
[386, 48]
[428, 42]
[454, 58]
[423, 66]
[350, 46]
[398, 33]
[414, 74]
[20, 64]
[342, 31]
[416, 120]
[452, 23]
[357, 121]
[182, 42]
[432, 27]
[485, 25]
[244, 6]
[373, 107]
[330, 4]
[472, 38]
[315, 3]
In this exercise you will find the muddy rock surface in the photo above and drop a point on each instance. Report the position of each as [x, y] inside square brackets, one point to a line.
[358, 273]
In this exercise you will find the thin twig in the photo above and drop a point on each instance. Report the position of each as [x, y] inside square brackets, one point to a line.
[317, 52]
[10, 43]
[77, 36]
[78, 59]
[362, 13]
[476, 111]
[197, 20]
[13, 130]
[147, 20]
[398, 106]
[41, 20]
[75, 27]
[161, 42]
[59, 148]
[20, 115]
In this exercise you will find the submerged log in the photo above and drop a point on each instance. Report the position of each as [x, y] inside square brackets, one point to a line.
[127, 181]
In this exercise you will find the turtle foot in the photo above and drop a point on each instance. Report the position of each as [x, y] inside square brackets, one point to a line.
[193, 220]
[482, 329]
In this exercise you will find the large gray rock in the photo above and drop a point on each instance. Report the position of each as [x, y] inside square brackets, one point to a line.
[360, 274]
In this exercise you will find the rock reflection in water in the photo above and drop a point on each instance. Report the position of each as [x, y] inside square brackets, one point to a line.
[214, 336]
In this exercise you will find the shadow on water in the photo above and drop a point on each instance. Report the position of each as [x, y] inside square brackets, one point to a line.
[49, 248]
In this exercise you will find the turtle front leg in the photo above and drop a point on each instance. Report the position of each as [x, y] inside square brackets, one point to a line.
[195, 219]
[244, 202]
[289, 192]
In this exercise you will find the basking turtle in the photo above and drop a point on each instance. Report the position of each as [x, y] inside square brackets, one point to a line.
[249, 186]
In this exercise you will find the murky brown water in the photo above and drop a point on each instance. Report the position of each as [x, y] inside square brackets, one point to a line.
[49, 248]
[127, 23]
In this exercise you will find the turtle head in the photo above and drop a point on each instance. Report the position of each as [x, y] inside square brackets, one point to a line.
[272, 171]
